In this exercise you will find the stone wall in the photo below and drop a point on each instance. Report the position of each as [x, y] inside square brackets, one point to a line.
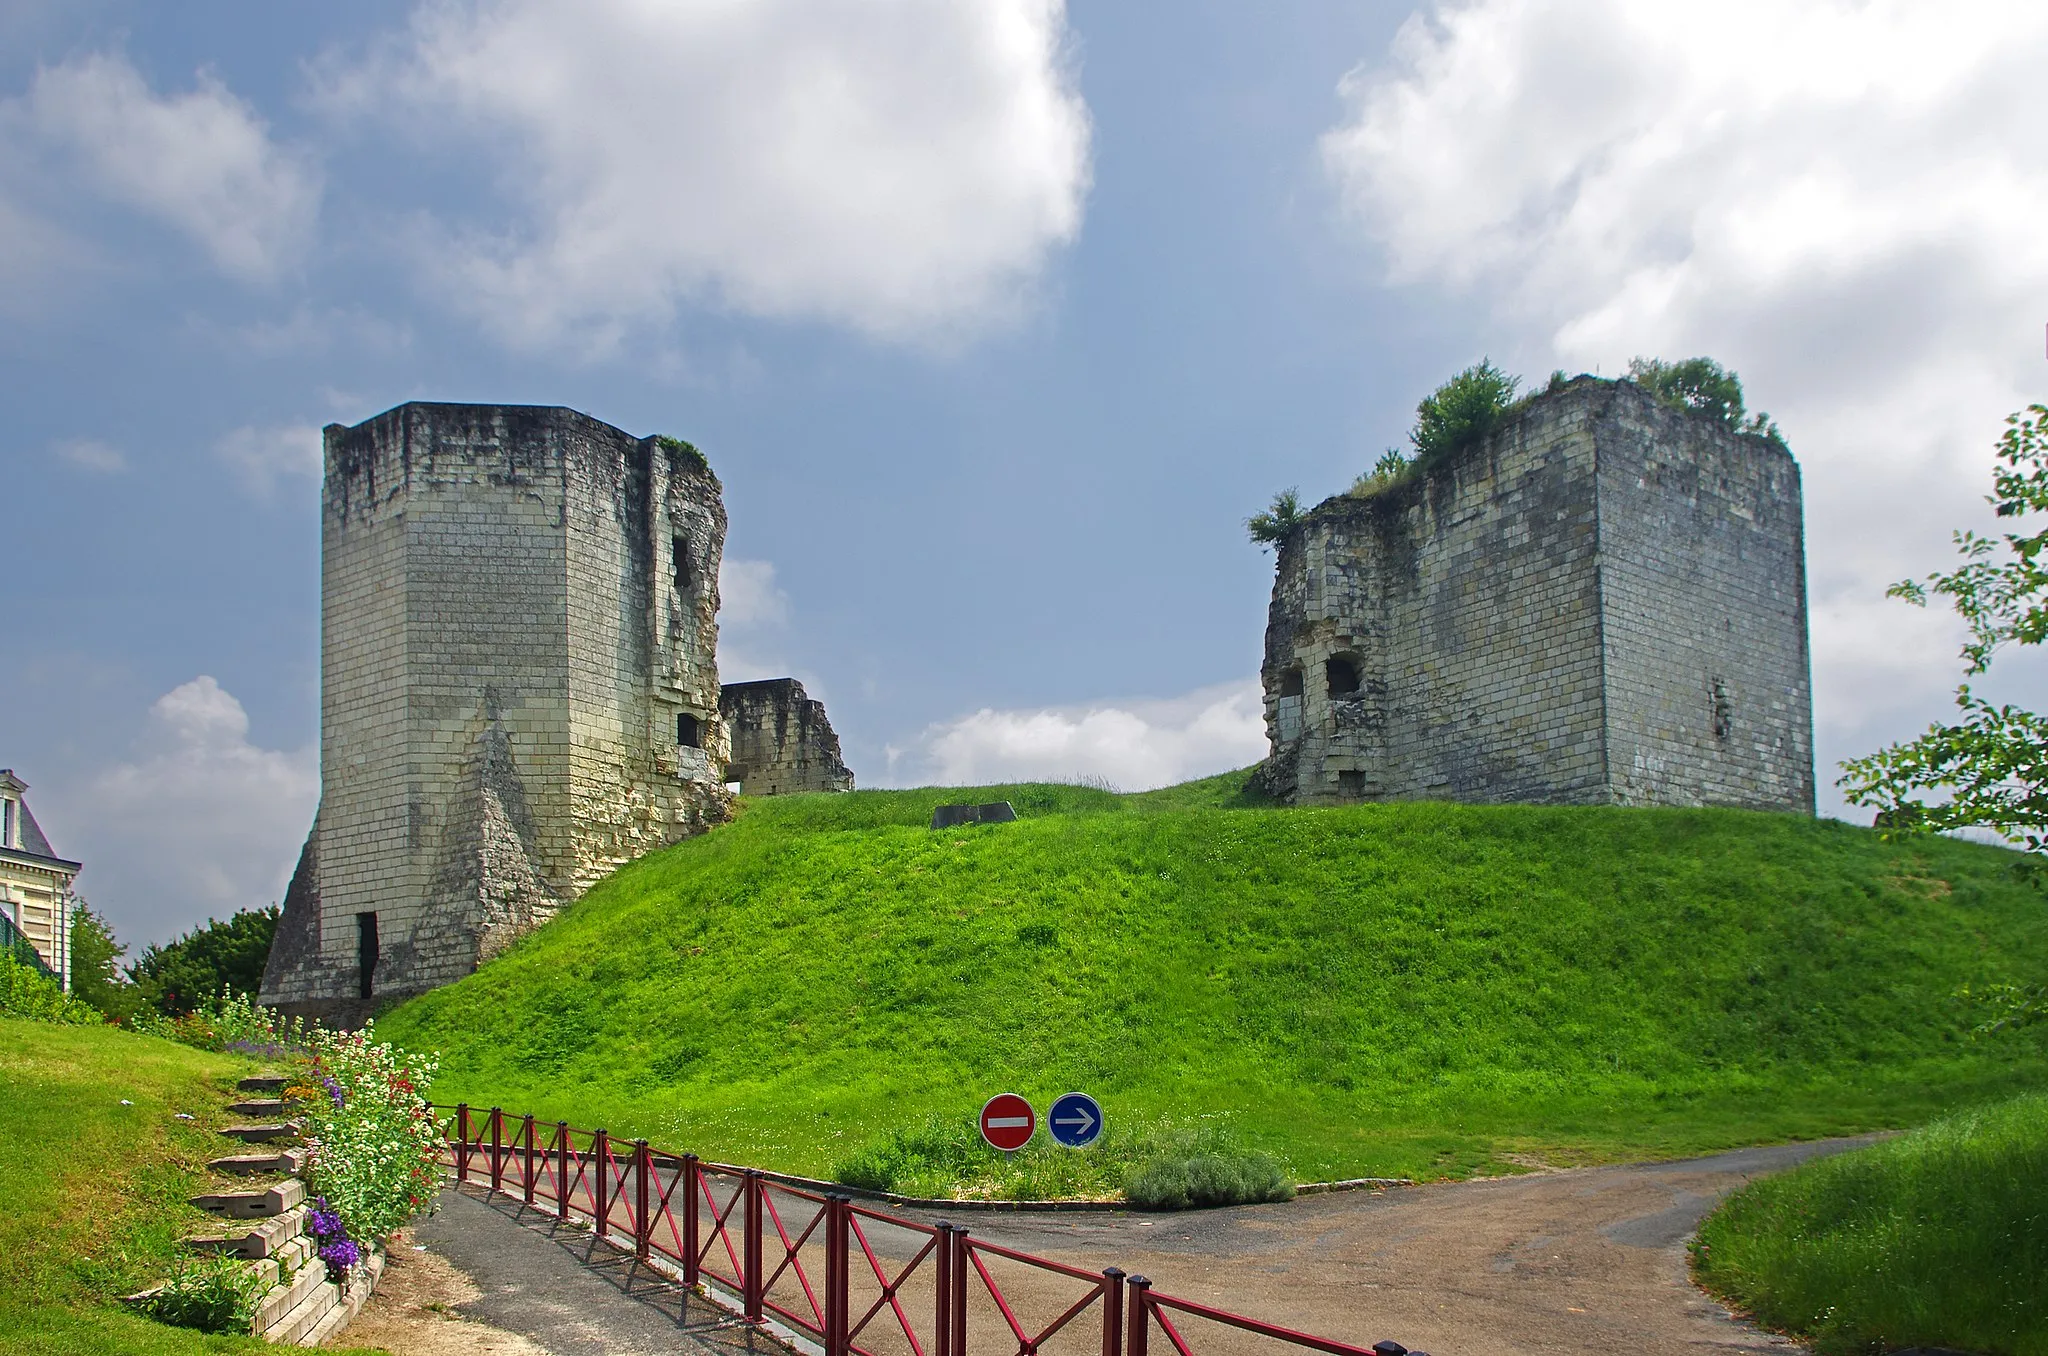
[781, 741]
[1602, 602]
[504, 663]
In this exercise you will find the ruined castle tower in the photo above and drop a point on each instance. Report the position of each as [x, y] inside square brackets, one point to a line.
[518, 687]
[781, 741]
[1604, 602]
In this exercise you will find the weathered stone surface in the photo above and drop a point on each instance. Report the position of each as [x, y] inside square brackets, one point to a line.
[519, 686]
[952, 816]
[781, 741]
[1604, 602]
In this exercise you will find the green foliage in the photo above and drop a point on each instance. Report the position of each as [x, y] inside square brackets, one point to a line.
[1461, 412]
[1271, 527]
[26, 992]
[212, 1294]
[687, 452]
[1937, 1239]
[233, 1022]
[1157, 1164]
[96, 966]
[1990, 768]
[1392, 467]
[1702, 386]
[1407, 990]
[176, 976]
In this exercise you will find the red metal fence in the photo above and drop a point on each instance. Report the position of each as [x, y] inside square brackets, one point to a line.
[857, 1281]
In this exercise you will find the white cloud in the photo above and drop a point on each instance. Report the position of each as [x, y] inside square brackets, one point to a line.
[261, 455]
[201, 823]
[748, 594]
[900, 168]
[202, 162]
[92, 456]
[1135, 745]
[1841, 201]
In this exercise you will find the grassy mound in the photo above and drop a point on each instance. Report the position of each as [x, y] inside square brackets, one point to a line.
[1404, 990]
[95, 1167]
[1938, 1238]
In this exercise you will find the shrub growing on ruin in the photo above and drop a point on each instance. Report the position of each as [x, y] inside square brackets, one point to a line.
[1272, 526]
[1462, 411]
[1702, 386]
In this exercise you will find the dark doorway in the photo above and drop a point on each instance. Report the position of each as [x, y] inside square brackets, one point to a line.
[366, 952]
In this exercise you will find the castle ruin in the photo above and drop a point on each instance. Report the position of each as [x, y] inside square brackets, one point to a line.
[519, 688]
[1603, 602]
[781, 740]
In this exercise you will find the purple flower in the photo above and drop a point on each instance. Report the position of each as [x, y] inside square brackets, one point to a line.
[341, 1254]
[333, 1091]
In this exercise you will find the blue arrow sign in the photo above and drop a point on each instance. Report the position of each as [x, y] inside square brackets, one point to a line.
[1075, 1120]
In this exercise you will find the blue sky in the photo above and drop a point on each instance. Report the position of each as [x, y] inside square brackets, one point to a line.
[995, 318]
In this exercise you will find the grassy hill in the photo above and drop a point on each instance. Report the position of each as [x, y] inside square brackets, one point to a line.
[1412, 989]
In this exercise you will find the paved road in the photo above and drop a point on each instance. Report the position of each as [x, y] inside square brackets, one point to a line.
[1589, 1260]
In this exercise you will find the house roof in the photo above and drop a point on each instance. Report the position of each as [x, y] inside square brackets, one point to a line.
[34, 842]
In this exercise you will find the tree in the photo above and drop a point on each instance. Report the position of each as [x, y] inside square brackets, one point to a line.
[176, 976]
[1704, 387]
[1272, 526]
[1990, 768]
[1460, 412]
[95, 965]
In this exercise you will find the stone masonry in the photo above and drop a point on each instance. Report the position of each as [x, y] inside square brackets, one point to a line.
[519, 687]
[1602, 603]
[781, 740]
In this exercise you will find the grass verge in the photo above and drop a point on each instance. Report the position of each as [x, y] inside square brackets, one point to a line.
[1938, 1238]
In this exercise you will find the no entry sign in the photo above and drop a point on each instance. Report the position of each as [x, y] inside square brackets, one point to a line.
[1007, 1121]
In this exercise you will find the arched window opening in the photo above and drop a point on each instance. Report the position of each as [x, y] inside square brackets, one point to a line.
[1342, 673]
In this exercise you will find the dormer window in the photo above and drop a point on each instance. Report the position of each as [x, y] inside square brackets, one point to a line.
[10, 834]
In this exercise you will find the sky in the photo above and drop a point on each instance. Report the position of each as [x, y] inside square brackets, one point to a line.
[995, 317]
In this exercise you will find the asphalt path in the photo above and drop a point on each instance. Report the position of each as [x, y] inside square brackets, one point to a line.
[1585, 1260]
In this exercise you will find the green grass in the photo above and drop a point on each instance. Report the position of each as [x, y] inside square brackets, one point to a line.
[1938, 1238]
[92, 1192]
[1421, 990]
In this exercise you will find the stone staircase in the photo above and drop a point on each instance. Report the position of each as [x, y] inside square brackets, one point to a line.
[267, 1225]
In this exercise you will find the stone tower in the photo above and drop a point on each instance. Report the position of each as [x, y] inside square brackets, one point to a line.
[1602, 603]
[518, 687]
[781, 741]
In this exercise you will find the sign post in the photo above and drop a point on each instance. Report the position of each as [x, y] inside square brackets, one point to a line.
[1075, 1120]
[1007, 1121]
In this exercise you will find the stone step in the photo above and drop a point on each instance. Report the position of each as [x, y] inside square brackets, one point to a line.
[297, 1253]
[261, 1134]
[297, 1325]
[262, 1238]
[281, 1299]
[286, 1162]
[268, 1083]
[336, 1319]
[257, 1106]
[275, 1200]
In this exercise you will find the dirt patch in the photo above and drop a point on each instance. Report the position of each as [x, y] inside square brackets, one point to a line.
[413, 1312]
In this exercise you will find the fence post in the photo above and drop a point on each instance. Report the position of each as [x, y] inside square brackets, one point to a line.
[562, 1143]
[942, 1320]
[643, 1158]
[462, 1142]
[691, 1186]
[526, 1174]
[1112, 1311]
[837, 1208]
[961, 1261]
[497, 1148]
[1135, 1345]
[751, 1238]
[600, 1170]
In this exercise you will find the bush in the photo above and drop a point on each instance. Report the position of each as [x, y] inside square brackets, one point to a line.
[1702, 386]
[1462, 411]
[1272, 526]
[233, 1022]
[95, 966]
[373, 1146]
[1938, 1238]
[177, 976]
[28, 993]
[212, 1294]
[1180, 1182]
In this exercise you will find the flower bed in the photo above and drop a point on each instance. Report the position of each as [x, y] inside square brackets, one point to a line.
[373, 1145]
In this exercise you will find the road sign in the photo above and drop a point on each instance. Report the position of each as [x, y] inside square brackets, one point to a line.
[1075, 1120]
[1007, 1122]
